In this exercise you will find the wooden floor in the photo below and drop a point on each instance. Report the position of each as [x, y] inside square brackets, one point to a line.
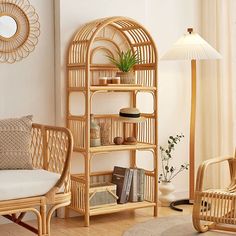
[103, 225]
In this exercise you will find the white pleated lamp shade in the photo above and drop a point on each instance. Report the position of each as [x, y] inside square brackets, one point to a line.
[191, 46]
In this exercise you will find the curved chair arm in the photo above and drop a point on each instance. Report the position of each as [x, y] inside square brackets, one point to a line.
[202, 169]
[56, 141]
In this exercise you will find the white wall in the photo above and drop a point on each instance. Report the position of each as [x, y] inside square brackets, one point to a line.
[167, 21]
[27, 87]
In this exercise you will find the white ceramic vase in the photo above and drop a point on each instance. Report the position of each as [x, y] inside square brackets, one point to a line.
[166, 196]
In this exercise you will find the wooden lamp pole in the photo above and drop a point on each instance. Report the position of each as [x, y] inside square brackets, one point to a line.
[192, 127]
[192, 132]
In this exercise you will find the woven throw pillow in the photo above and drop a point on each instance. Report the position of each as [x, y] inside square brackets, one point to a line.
[15, 139]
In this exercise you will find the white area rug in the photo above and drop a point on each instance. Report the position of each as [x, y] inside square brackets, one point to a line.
[169, 226]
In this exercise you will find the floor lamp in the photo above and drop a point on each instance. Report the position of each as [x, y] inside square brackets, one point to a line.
[191, 47]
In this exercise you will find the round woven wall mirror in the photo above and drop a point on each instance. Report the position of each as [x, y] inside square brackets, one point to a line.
[8, 27]
[19, 30]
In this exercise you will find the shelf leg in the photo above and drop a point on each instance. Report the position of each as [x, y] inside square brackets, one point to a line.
[133, 159]
[66, 212]
[86, 219]
[87, 181]
[155, 213]
[155, 153]
[133, 103]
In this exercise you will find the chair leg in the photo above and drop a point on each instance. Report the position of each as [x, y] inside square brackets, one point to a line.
[43, 212]
[48, 226]
[200, 227]
[196, 215]
[49, 216]
[67, 213]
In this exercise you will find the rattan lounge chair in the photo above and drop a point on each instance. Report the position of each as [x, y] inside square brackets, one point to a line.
[44, 189]
[215, 208]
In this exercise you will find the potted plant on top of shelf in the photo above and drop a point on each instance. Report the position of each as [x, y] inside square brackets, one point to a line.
[125, 63]
[169, 171]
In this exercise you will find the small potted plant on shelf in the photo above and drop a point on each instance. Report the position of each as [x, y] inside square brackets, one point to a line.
[125, 62]
[169, 171]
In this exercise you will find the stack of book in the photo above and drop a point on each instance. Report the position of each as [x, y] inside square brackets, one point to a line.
[130, 184]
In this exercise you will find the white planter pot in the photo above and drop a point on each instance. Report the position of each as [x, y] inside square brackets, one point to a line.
[166, 196]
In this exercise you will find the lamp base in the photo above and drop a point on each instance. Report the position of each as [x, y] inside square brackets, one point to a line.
[180, 202]
[207, 206]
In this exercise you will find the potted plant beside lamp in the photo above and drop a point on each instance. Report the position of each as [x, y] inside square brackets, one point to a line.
[169, 172]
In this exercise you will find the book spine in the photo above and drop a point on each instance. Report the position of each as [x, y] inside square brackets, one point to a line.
[141, 179]
[134, 187]
[124, 187]
[129, 181]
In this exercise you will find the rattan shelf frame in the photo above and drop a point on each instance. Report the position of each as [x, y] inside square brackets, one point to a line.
[109, 35]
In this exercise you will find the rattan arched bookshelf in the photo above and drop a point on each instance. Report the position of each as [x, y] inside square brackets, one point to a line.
[86, 62]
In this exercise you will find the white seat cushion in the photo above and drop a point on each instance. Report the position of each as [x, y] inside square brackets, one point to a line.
[15, 184]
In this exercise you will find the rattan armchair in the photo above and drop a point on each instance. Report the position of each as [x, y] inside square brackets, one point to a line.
[51, 151]
[215, 208]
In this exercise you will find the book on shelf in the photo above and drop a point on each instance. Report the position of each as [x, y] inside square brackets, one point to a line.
[122, 177]
[137, 185]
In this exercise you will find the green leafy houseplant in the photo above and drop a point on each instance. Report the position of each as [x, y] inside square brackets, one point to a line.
[125, 60]
[169, 171]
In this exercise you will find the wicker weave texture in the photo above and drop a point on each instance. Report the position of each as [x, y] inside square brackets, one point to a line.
[15, 137]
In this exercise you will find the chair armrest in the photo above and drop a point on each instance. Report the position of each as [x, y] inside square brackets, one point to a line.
[57, 145]
[203, 167]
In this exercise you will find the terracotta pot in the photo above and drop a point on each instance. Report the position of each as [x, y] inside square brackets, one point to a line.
[126, 77]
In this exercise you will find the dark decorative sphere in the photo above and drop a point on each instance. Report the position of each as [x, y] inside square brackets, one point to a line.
[118, 140]
[131, 140]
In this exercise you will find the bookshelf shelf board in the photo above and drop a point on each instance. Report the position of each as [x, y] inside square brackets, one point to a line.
[121, 88]
[103, 116]
[112, 88]
[76, 89]
[114, 147]
[121, 207]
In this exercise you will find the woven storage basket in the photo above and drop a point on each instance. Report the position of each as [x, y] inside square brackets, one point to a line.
[102, 194]
[127, 77]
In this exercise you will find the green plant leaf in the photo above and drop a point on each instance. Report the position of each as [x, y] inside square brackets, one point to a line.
[125, 60]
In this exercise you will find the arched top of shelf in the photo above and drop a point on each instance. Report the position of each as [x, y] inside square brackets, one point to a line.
[111, 30]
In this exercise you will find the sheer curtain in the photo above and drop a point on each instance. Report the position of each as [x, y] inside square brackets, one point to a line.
[216, 126]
